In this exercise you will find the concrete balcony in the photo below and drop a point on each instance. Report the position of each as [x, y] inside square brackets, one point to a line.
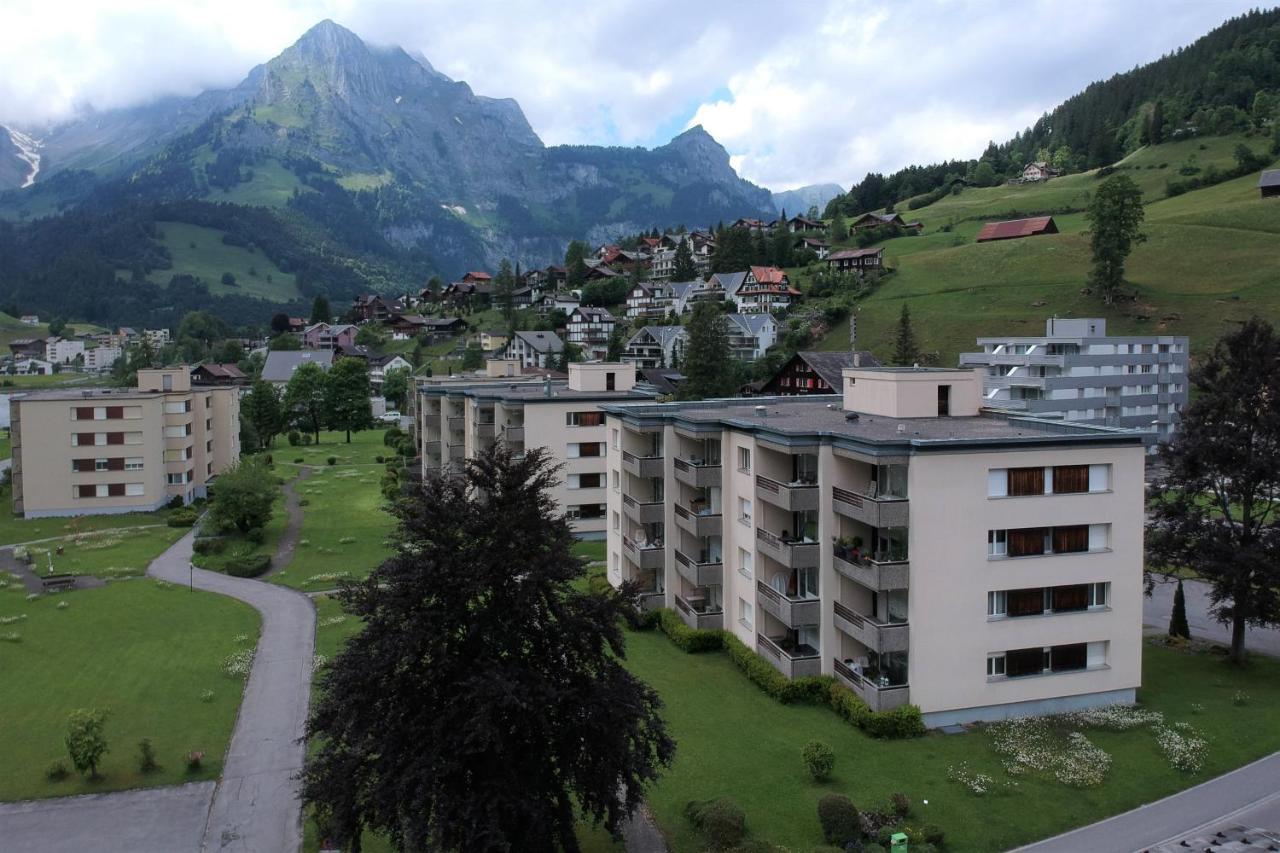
[792, 497]
[792, 612]
[874, 574]
[699, 524]
[457, 451]
[698, 476]
[484, 429]
[652, 600]
[646, 513]
[513, 433]
[793, 555]
[872, 511]
[699, 573]
[982, 359]
[874, 635]
[879, 697]
[456, 423]
[792, 664]
[700, 619]
[644, 556]
[642, 466]
[431, 448]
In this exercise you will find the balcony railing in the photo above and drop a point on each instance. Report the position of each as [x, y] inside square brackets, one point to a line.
[696, 618]
[699, 572]
[793, 664]
[793, 497]
[456, 451]
[648, 512]
[484, 429]
[881, 697]
[431, 448]
[792, 612]
[700, 524]
[877, 636]
[513, 432]
[794, 554]
[871, 573]
[645, 555]
[874, 511]
[456, 422]
[642, 466]
[698, 475]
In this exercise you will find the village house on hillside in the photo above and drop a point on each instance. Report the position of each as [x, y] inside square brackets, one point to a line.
[751, 335]
[1269, 183]
[816, 245]
[1038, 171]
[1015, 228]
[765, 289]
[590, 328]
[815, 372]
[859, 260]
[804, 225]
[328, 336]
[656, 346]
[534, 349]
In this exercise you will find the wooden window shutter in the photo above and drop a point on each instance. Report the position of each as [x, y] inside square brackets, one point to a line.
[1026, 481]
[1070, 479]
[1068, 540]
[1026, 542]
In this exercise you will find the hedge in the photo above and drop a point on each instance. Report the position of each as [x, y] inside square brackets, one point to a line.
[209, 545]
[184, 517]
[248, 566]
[688, 640]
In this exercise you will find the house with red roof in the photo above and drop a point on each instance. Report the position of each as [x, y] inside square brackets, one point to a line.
[765, 290]
[475, 277]
[1014, 228]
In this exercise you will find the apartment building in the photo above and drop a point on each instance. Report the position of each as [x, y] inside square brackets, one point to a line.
[656, 346]
[1077, 373]
[459, 419]
[896, 535]
[111, 450]
[535, 349]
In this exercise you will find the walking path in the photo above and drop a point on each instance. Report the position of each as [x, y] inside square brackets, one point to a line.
[31, 581]
[288, 543]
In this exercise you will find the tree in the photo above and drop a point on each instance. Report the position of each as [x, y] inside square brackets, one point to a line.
[280, 323]
[984, 174]
[368, 336]
[617, 343]
[395, 387]
[202, 326]
[1178, 626]
[504, 293]
[286, 341]
[472, 357]
[320, 311]
[57, 326]
[906, 350]
[839, 230]
[1155, 124]
[708, 366]
[1214, 510]
[496, 698]
[262, 408]
[243, 497]
[304, 398]
[229, 351]
[228, 280]
[782, 250]
[86, 743]
[1062, 157]
[1115, 214]
[570, 354]
[685, 269]
[575, 263]
[346, 396]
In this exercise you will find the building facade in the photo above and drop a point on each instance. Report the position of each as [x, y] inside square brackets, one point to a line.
[1077, 373]
[534, 349]
[112, 450]
[973, 563]
[459, 419]
[590, 328]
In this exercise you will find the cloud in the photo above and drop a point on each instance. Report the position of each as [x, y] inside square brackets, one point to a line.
[824, 91]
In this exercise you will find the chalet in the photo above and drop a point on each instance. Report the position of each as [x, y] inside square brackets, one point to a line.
[406, 326]
[650, 244]
[816, 245]
[380, 364]
[27, 348]
[663, 380]
[475, 277]
[648, 299]
[856, 260]
[492, 341]
[590, 328]
[329, 336]
[535, 349]
[765, 289]
[557, 277]
[599, 271]
[30, 319]
[750, 224]
[876, 220]
[33, 367]
[1014, 228]
[804, 225]
[218, 374]
[1269, 183]
[371, 308]
[536, 279]
[815, 372]
[468, 292]
[441, 328]
[656, 346]
[727, 284]
[1039, 171]
[524, 297]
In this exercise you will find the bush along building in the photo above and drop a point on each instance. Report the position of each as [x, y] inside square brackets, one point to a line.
[896, 536]
[460, 418]
[110, 450]
[1077, 373]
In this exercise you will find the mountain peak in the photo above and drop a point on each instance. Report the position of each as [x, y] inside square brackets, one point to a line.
[329, 42]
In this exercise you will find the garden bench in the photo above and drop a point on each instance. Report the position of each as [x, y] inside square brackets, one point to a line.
[56, 583]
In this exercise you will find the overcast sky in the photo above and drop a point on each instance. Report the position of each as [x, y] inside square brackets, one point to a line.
[824, 90]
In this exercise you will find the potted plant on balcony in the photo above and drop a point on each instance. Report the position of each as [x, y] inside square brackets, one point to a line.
[855, 549]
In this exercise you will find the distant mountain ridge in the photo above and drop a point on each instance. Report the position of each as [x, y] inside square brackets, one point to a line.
[801, 199]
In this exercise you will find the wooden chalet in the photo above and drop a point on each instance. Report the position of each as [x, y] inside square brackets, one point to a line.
[857, 260]
[1013, 229]
[815, 372]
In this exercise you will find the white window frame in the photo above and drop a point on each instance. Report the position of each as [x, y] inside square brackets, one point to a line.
[997, 603]
[746, 614]
[744, 460]
[995, 665]
[997, 543]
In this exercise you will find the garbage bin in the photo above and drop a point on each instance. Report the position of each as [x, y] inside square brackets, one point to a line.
[898, 842]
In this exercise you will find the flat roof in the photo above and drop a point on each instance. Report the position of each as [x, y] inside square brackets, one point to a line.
[109, 393]
[820, 417]
[536, 392]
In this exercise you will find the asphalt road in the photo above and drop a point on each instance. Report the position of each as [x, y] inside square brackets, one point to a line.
[1157, 609]
[152, 820]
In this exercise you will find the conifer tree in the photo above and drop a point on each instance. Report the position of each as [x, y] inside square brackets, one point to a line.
[708, 366]
[1178, 626]
[685, 269]
[906, 351]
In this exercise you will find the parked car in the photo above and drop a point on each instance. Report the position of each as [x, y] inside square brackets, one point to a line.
[390, 417]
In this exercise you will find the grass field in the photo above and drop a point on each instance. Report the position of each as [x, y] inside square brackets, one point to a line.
[734, 741]
[344, 524]
[272, 186]
[200, 252]
[14, 529]
[143, 651]
[106, 553]
[10, 384]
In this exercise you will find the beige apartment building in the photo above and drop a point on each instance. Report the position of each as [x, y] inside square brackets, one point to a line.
[461, 418]
[920, 549]
[110, 450]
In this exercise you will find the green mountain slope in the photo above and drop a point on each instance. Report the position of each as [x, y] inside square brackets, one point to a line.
[203, 254]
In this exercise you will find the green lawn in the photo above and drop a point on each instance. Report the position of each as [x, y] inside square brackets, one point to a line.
[6, 446]
[344, 522]
[200, 252]
[144, 651]
[593, 550]
[14, 529]
[239, 546]
[734, 741]
[106, 553]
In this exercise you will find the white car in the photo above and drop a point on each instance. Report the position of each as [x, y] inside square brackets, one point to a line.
[390, 417]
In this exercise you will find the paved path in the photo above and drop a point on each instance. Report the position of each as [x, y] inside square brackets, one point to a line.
[31, 580]
[1157, 609]
[288, 543]
[640, 834]
[150, 820]
[1251, 792]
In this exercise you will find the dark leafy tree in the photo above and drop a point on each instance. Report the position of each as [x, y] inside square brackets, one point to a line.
[320, 311]
[685, 269]
[229, 352]
[1214, 511]
[280, 322]
[906, 350]
[86, 740]
[57, 326]
[263, 408]
[575, 263]
[485, 704]
[570, 354]
[286, 342]
[839, 230]
[782, 253]
[1178, 626]
[346, 396]
[708, 366]
[203, 326]
[1115, 214]
[395, 387]
[472, 357]
[304, 399]
[244, 496]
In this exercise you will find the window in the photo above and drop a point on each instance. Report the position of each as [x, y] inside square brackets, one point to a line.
[997, 544]
[177, 431]
[744, 510]
[617, 521]
[133, 438]
[744, 459]
[101, 465]
[615, 479]
[584, 419]
[133, 489]
[176, 407]
[1099, 478]
[997, 603]
[744, 613]
[610, 382]
[175, 479]
[1070, 479]
[1027, 542]
[586, 511]
[997, 482]
[133, 463]
[944, 400]
[615, 439]
[1068, 657]
[995, 665]
[1026, 481]
[744, 563]
[1098, 594]
[1070, 540]
[1019, 662]
[586, 448]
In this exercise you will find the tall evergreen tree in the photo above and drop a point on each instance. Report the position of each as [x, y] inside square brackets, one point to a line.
[759, 249]
[575, 263]
[1155, 124]
[839, 230]
[485, 704]
[685, 269]
[320, 312]
[1214, 510]
[782, 251]
[906, 351]
[1178, 626]
[708, 365]
[1115, 214]
[504, 290]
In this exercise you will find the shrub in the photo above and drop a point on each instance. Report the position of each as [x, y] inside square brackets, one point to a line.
[147, 756]
[848, 705]
[194, 759]
[688, 640]
[641, 620]
[899, 804]
[206, 696]
[819, 759]
[903, 722]
[757, 669]
[269, 460]
[175, 502]
[391, 436]
[256, 535]
[298, 461]
[184, 517]
[332, 460]
[721, 822]
[839, 818]
[209, 545]
[248, 566]
[304, 501]
[57, 771]
[379, 459]
[295, 438]
[306, 438]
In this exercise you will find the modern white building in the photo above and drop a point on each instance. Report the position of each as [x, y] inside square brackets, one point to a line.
[897, 536]
[751, 335]
[101, 358]
[62, 350]
[1076, 372]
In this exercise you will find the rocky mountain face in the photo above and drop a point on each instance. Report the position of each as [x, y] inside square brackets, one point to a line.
[801, 199]
[415, 156]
